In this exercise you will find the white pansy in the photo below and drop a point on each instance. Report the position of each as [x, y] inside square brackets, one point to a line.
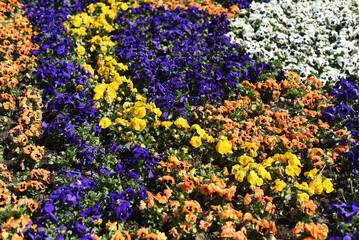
[314, 37]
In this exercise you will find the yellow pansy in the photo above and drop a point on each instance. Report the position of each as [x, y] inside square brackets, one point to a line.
[103, 49]
[139, 112]
[103, 71]
[279, 157]
[182, 123]
[122, 67]
[303, 186]
[328, 186]
[195, 141]
[279, 185]
[87, 21]
[138, 124]
[292, 170]
[97, 96]
[110, 95]
[79, 87]
[267, 162]
[253, 179]
[312, 173]
[316, 186]
[292, 159]
[173, 158]
[252, 165]
[80, 50]
[126, 105]
[223, 146]
[91, 8]
[98, 221]
[122, 122]
[199, 130]
[112, 15]
[195, 127]
[264, 173]
[82, 31]
[105, 122]
[124, 6]
[248, 145]
[302, 197]
[239, 176]
[192, 173]
[141, 104]
[114, 86]
[158, 112]
[101, 88]
[209, 139]
[244, 160]
[77, 21]
[140, 98]
[166, 124]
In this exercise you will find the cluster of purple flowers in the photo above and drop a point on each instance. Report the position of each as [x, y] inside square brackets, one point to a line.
[58, 76]
[242, 4]
[112, 206]
[68, 110]
[345, 212]
[346, 96]
[181, 58]
[345, 112]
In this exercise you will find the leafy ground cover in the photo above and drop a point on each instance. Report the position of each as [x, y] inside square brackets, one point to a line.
[141, 120]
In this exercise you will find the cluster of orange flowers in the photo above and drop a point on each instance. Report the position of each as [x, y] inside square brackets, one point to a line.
[117, 234]
[16, 225]
[213, 186]
[262, 226]
[23, 186]
[24, 103]
[205, 5]
[312, 231]
[265, 126]
[143, 233]
[5, 198]
[5, 194]
[29, 127]
[179, 206]
[15, 35]
[266, 201]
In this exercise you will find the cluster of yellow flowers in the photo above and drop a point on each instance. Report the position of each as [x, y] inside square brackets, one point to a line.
[257, 173]
[196, 141]
[132, 113]
[82, 21]
[248, 167]
[108, 69]
[317, 184]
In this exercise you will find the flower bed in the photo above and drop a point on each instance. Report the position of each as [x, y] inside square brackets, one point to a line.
[152, 125]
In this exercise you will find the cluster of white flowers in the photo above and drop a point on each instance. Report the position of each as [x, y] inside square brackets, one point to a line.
[311, 37]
